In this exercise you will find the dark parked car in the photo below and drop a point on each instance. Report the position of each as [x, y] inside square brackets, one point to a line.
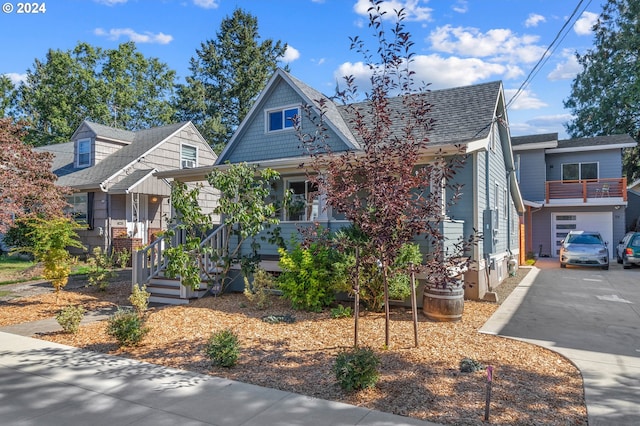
[584, 248]
[628, 250]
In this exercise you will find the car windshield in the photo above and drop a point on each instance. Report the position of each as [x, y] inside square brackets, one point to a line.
[584, 239]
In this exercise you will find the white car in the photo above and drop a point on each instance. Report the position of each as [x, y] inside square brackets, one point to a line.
[584, 248]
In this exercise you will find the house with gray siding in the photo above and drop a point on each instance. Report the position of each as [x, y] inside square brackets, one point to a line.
[473, 117]
[111, 173]
[571, 184]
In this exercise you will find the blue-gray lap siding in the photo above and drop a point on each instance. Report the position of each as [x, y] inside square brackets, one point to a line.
[532, 174]
[609, 162]
[256, 144]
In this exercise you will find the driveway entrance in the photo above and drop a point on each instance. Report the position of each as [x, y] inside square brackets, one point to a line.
[590, 316]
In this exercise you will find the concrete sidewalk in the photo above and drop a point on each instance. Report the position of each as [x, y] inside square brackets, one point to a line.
[45, 383]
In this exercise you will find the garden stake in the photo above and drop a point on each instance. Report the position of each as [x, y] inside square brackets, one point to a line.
[488, 398]
[414, 308]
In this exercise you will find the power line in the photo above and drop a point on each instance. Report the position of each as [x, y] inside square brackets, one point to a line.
[550, 49]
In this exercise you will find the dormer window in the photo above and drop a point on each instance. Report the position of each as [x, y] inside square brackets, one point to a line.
[83, 153]
[188, 157]
[281, 119]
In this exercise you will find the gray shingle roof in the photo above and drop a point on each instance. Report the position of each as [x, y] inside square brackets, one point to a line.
[130, 180]
[523, 140]
[110, 132]
[461, 114]
[142, 142]
[596, 141]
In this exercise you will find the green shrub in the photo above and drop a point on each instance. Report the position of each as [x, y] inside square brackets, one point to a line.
[341, 312]
[122, 258]
[468, 365]
[139, 298]
[357, 369]
[223, 348]
[100, 269]
[127, 327]
[310, 276]
[69, 318]
[259, 291]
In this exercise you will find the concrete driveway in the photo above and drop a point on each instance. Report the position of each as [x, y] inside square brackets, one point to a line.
[590, 316]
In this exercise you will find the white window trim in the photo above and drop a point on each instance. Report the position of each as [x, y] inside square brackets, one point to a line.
[285, 212]
[197, 155]
[78, 143]
[283, 109]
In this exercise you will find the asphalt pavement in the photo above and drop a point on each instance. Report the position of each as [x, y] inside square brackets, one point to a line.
[590, 316]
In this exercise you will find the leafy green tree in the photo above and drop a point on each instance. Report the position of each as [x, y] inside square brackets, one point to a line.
[7, 95]
[245, 210]
[227, 74]
[116, 87]
[605, 95]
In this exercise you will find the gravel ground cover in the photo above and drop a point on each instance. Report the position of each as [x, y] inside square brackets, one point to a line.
[531, 385]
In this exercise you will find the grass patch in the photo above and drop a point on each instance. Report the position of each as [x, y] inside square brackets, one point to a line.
[13, 264]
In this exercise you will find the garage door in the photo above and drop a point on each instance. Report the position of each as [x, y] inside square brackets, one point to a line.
[562, 223]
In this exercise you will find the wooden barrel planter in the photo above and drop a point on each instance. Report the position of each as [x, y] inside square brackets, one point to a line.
[443, 304]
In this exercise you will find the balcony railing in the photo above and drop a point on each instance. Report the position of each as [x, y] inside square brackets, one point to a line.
[587, 189]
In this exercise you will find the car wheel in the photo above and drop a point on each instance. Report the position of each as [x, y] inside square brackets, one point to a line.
[605, 268]
[625, 264]
[563, 265]
[618, 258]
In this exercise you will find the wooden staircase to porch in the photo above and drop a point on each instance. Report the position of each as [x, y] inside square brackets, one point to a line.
[149, 265]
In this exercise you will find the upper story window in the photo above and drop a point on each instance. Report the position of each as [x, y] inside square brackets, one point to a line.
[83, 153]
[579, 171]
[188, 157]
[281, 119]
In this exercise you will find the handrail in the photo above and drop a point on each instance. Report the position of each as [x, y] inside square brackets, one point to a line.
[149, 261]
[586, 189]
[216, 244]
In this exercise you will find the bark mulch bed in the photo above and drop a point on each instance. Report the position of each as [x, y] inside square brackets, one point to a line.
[531, 385]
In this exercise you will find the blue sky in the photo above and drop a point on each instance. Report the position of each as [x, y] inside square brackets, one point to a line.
[457, 42]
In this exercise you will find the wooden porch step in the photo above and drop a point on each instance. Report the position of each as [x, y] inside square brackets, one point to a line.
[168, 300]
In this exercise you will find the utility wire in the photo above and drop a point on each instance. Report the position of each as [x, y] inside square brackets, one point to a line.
[550, 49]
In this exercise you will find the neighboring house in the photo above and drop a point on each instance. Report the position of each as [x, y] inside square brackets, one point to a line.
[110, 172]
[571, 184]
[472, 116]
[633, 207]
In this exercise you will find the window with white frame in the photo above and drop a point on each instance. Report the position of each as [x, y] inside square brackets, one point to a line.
[188, 157]
[579, 171]
[305, 203]
[78, 207]
[281, 119]
[437, 187]
[83, 153]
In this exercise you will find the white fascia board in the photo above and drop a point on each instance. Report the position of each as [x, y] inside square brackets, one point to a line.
[532, 146]
[590, 148]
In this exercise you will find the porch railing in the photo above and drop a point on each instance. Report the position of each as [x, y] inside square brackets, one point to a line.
[586, 189]
[150, 261]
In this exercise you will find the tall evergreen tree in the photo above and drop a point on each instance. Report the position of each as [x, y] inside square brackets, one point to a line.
[227, 74]
[116, 87]
[605, 95]
[7, 95]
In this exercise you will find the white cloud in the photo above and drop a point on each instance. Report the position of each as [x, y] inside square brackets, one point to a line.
[16, 78]
[533, 20]
[525, 100]
[542, 124]
[500, 44]
[110, 2]
[436, 70]
[412, 8]
[147, 37]
[206, 4]
[290, 55]
[566, 70]
[461, 6]
[585, 23]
